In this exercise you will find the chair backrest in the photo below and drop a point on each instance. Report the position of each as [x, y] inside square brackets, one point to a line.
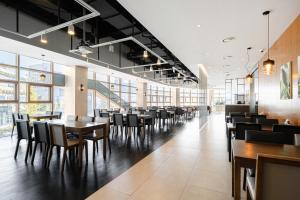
[163, 114]
[266, 137]
[240, 119]
[25, 117]
[132, 120]
[254, 117]
[15, 116]
[264, 121]
[41, 132]
[277, 178]
[58, 113]
[104, 114]
[85, 119]
[96, 112]
[135, 112]
[297, 139]
[288, 129]
[242, 127]
[72, 118]
[118, 119]
[23, 129]
[58, 135]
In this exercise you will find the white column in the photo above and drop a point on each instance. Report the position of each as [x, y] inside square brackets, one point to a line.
[141, 94]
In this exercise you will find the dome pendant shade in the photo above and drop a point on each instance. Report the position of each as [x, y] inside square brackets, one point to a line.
[71, 30]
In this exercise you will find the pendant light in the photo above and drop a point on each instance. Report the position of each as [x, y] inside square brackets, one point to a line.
[44, 39]
[158, 62]
[249, 77]
[269, 63]
[42, 75]
[71, 30]
[151, 68]
[145, 55]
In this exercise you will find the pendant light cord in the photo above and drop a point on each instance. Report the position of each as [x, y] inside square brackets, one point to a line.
[268, 35]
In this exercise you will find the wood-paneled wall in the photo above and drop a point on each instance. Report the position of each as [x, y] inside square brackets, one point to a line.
[285, 49]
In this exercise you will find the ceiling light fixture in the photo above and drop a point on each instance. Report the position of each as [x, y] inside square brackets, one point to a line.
[173, 68]
[111, 48]
[178, 75]
[198, 25]
[71, 30]
[151, 68]
[249, 78]
[228, 39]
[84, 55]
[145, 55]
[44, 39]
[269, 63]
[158, 62]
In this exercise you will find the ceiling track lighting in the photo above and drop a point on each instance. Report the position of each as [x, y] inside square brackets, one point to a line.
[71, 30]
[268, 65]
[145, 54]
[44, 39]
[249, 78]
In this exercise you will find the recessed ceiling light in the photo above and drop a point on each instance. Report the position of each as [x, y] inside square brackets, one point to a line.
[262, 50]
[198, 25]
[228, 39]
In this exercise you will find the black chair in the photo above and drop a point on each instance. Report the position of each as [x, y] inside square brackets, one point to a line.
[58, 113]
[41, 136]
[163, 115]
[24, 132]
[242, 127]
[151, 122]
[118, 121]
[289, 130]
[240, 119]
[15, 116]
[235, 114]
[72, 118]
[25, 117]
[268, 122]
[96, 112]
[266, 137]
[133, 123]
[254, 117]
[104, 114]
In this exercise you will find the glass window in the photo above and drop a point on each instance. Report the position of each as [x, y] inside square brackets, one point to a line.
[6, 111]
[34, 108]
[8, 58]
[8, 73]
[33, 63]
[60, 69]
[101, 101]
[23, 92]
[90, 102]
[7, 91]
[39, 93]
[58, 99]
[101, 77]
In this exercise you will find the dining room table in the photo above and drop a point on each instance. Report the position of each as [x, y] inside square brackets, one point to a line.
[231, 128]
[83, 128]
[38, 117]
[244, 155]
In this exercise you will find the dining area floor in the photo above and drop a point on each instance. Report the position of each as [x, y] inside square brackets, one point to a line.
[192, 165]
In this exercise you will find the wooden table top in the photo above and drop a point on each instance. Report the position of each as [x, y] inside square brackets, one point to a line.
[77, 126]
[43, 116]
[249, 150]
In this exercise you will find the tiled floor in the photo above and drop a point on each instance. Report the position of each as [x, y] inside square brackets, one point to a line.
[192, 165]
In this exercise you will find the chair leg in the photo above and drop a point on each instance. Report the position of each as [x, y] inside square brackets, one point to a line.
[33, 154]
[94, 144]
[12, 131]
[27, 150]
[46, 155]
[244, 180]
[50, 156]
[97, 146]
[108, 141]
[63, 161]
[17, 148]
[86, 153]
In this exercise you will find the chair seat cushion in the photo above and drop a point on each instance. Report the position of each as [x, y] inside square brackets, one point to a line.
[251, 186]
[72, 142]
